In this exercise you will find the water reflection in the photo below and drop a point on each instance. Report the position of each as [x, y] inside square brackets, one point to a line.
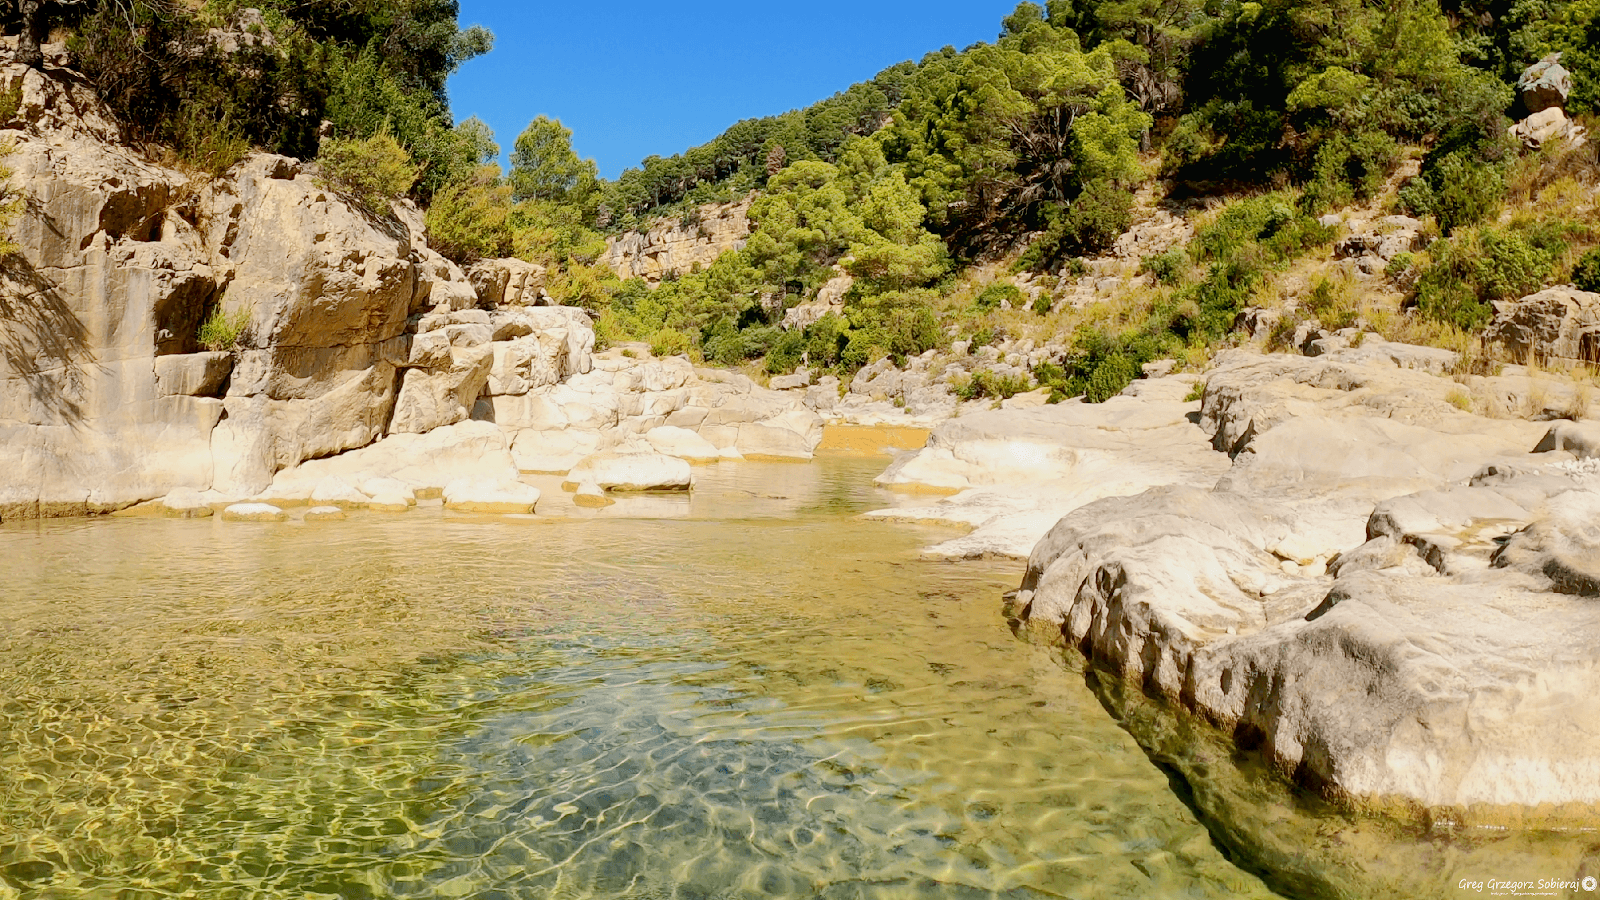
[764, 696]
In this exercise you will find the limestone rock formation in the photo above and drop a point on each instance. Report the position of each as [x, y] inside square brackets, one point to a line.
[1014, 472]
[1560, 324]
[632, 472]
[109, 276]
[1383, 594]
[675, 246]
[488, 495]
[508, 282]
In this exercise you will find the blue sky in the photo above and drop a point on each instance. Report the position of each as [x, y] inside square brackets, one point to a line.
[634, 78]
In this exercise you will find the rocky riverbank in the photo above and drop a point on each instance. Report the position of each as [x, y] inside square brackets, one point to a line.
[1368, 570]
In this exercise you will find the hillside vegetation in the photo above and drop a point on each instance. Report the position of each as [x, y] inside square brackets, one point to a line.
[944, 186]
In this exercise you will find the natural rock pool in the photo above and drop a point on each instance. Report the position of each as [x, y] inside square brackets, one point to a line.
[757, 694]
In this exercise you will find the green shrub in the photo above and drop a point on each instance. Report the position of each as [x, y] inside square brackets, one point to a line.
[1244, 222]
[1349, 168]
[785, 353]
[865, 345]
[992, 296]
[1109, 378]
[471, 219]
[669, 342]
[1043, 303]
[1168, 268]
[223, 330]
[1085, 227]
[1472, 270]
[10, 103]
[826, 340]
[1332, 305]
[991, 384]
[1457, 190]
[1227, 289]
[1052, 376]
[1586, 274]
[374, 170]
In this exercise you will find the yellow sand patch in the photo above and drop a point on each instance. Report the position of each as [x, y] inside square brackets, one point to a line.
[871, 440]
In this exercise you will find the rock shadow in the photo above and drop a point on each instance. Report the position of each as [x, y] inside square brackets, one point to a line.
[42, 340]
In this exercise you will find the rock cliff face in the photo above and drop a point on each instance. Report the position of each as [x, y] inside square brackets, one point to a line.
[676, 246]
[355, 333]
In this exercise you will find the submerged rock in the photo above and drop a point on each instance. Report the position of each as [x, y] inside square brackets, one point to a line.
[325, 514]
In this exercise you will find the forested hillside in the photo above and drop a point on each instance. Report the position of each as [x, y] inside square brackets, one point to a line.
[931, 185]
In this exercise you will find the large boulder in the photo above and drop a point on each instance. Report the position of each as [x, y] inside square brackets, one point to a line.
[632, 472]
[1544, 85]
[508, 282]
[406, 464]
[1560, 324]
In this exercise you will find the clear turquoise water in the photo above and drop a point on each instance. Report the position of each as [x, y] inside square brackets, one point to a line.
[756, 694]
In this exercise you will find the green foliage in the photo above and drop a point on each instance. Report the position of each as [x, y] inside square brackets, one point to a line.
[786, 352]
[1168, 267]
[991, 297]
[991, 384]
[669, 342]
[1348, 167]
[223, 330]
[1457, 190]
[1085, 227]
[374, 170]
[1004, 138]
[471, 219]
[545, 167]
[11, 201]
[10, 102]
[1473, 269]
[211, 79]
[1332, 304]
[1586, 274]
[1322, 92]
[736, 161]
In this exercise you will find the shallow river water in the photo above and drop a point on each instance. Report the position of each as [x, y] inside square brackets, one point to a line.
[753, 693]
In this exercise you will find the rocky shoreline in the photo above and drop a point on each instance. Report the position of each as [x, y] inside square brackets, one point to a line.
[1369, 567]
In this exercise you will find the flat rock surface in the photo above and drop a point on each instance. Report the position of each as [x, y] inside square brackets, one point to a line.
[1014, 472]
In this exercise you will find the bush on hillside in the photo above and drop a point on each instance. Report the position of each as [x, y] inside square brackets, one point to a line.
[1586, 274]
[991, 297]
[1456, 190]
[1167, 268]
[1475, 268]
[471, 219]
[375, 171]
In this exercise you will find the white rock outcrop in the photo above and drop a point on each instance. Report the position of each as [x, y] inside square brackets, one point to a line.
[632, 472]
[490, 495]
[1388, 597]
